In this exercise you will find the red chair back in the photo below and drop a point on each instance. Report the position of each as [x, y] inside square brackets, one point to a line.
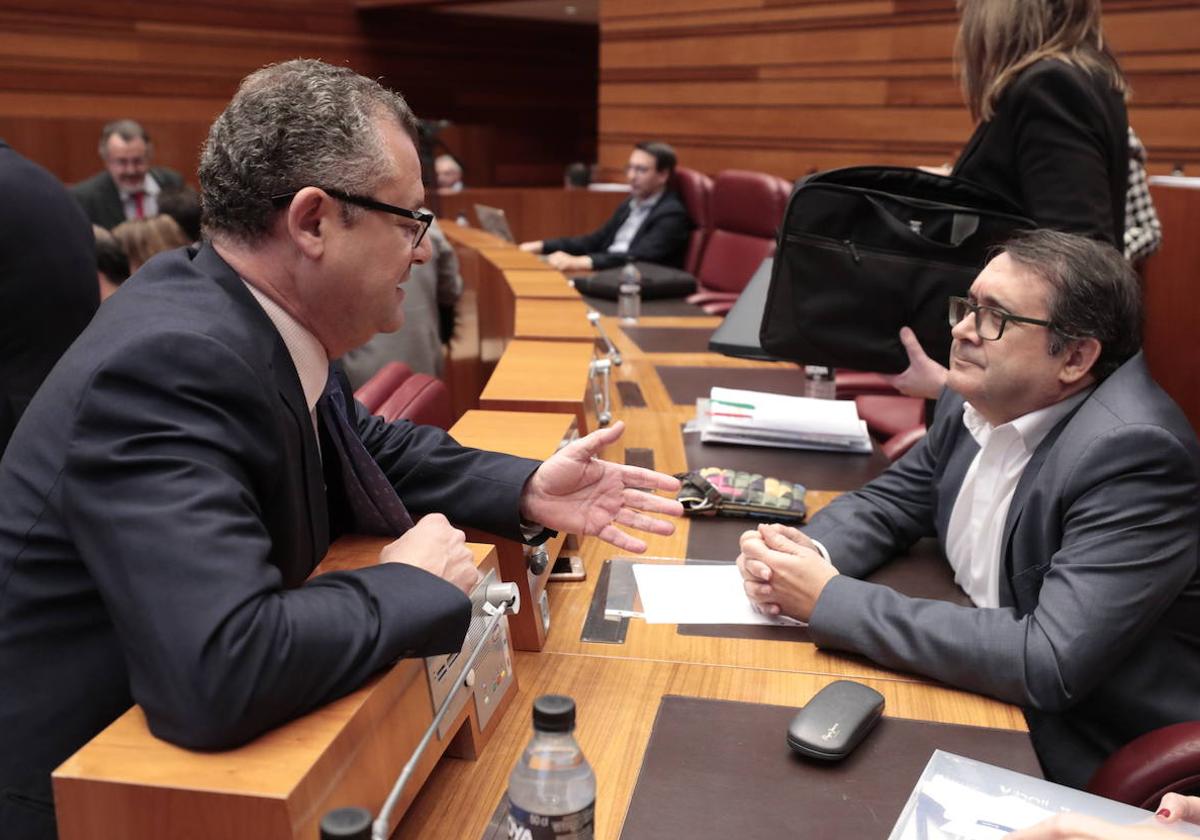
[695, 189]
[422, 399]
[382, 385]
[747, 209]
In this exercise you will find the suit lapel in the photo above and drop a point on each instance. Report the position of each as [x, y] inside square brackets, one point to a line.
[973, 143]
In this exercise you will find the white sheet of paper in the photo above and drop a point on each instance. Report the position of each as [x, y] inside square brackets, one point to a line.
[697, 594]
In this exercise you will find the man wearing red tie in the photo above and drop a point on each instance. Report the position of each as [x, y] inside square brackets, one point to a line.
[129, 187]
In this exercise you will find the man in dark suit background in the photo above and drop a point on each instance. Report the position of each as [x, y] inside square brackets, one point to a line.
[48, 286]
[1064, 488]
[181, 473]
[651, 226]
[128, 188]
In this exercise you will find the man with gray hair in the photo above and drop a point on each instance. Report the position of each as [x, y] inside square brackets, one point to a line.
[184, 468]
[129, 186]
[1064, 488]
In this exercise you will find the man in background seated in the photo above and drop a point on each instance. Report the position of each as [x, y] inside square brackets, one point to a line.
[1064, 487]
[577, 176]
[449, 173]
[651, 226]
[184, 468]
[129, 186]
[183, 205]
[431, 287]
[48, 291]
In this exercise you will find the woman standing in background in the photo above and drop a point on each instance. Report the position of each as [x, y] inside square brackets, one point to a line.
[1051, 130]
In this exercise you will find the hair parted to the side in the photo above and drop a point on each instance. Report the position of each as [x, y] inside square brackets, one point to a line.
[1094, 293]
[291, 125]
[997, 39]
[663, 154]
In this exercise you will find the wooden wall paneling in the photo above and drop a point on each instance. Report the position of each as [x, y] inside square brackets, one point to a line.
[789, 86]
[523, 95]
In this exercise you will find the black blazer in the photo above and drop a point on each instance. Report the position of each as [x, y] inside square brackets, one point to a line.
[100, 199]
[48, 289]
[161, 506]
[661, 239]
[1057, 147]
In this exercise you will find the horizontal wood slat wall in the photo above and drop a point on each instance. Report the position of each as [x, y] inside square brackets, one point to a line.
[790, 86]
[521, 95]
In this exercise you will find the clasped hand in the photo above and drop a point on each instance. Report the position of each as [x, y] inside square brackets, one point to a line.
[782, 571]
[576, 492]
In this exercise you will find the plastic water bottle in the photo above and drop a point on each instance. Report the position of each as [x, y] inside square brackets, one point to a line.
[819, 382]
[629, 294]
[462, 219]
[346, 824]
[552, 790]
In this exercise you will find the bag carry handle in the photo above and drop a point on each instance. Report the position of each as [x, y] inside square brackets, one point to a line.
[966, 228]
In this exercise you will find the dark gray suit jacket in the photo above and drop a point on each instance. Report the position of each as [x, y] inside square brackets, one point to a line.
[1098, 632]
[161, 504]
[662, 237]
[100, 199]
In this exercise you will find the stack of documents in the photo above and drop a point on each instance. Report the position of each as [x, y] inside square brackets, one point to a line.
[755, 418]
[959, 798]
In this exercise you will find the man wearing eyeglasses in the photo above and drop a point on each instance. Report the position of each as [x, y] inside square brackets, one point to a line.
[652, 225]
[1064, 488]
[184, 468]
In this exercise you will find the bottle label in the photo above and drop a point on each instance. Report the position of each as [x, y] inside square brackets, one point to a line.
[523, 825]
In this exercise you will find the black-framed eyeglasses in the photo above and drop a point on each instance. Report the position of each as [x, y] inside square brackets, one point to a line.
[989, 320]
[423, 219]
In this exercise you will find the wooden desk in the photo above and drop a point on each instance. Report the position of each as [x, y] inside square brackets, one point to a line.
[557, 320]
[527, 435]
[617, 700]
[126, 784]
[543, 376]
[534, 283]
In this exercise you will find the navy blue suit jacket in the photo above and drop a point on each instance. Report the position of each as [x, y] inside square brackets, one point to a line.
[161, 505]
[662, 237]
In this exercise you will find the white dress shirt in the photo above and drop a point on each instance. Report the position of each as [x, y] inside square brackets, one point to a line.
[638, 211]
[977, 522]
[308, 354]
[149, 190]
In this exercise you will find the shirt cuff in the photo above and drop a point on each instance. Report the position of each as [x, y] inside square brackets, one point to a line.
[821, 548]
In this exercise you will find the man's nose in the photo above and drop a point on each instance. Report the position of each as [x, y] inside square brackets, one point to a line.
[423, 253]
[965, 330]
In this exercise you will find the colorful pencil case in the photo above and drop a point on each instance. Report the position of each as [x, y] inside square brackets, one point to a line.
[713, 491]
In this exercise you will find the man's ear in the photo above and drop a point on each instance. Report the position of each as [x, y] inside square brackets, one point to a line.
[307, 219]
[1080, 356]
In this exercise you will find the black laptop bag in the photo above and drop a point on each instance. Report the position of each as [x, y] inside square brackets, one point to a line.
[866, 250]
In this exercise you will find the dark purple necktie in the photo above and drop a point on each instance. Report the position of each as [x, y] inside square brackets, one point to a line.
[372, 499]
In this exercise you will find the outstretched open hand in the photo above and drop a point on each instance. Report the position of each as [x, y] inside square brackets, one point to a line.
[576, 492]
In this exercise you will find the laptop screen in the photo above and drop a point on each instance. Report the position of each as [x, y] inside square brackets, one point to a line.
[493, 220]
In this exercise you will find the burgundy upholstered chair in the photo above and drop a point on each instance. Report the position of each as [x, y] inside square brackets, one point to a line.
[747, 209]
[897, 421]
[695, 189]
[1165, 760]
[422, 399]
[382, 385]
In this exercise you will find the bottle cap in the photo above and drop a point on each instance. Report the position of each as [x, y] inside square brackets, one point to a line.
[346, 824]
[553, 713]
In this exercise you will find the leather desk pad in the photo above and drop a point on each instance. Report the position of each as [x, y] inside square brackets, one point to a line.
[670, 339]
[685, 385]
[659, 307]
[717, 769]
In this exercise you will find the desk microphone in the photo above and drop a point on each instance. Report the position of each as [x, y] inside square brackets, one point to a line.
[499, 599]
[613, 353]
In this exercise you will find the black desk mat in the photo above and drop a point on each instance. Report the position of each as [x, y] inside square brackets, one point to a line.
[670, 339]
[660, 307]
[717, 769]
[685, 385]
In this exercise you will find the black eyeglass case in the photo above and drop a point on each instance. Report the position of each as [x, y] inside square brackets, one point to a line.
[835, 720]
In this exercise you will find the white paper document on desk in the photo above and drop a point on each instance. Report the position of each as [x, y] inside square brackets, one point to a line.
[698, 594]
